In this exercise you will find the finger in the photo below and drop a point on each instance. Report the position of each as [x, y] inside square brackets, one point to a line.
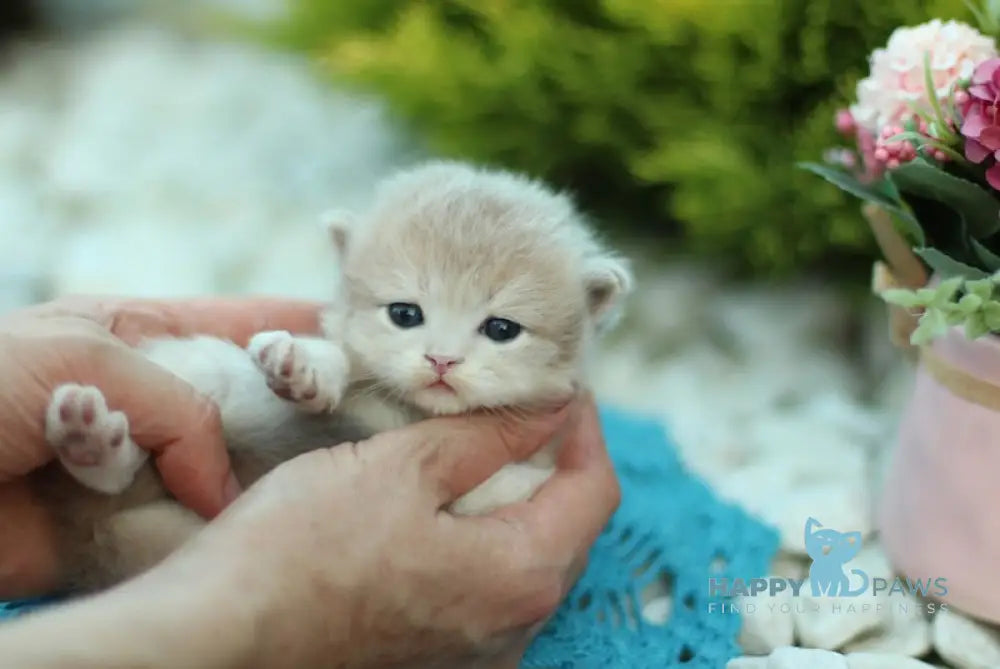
[512, 657]
[570, 510]
[167, 417]
[459, 453]
[236, 319]
[30, 375]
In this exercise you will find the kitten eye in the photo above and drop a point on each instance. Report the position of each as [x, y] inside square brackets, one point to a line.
[500, 329]
[405, 315]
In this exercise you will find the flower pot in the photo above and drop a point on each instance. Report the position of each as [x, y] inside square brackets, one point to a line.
[938, 514]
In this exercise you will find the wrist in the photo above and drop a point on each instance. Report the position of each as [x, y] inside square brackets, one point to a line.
[261, 615]
[148, 622]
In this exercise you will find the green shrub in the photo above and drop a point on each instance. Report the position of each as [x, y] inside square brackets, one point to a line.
[665, 116]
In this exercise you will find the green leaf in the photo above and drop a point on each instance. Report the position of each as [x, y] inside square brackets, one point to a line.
[953, 316]
[991, 312]
[926, 295]
[907, 224]
[942, 226]
[946, 290]
[983, 288]
[932, 325]
[980, 210]
[947, 266]
[867, 192]
[990, 260]
[969, 303]
[975, 326]
[985, 24]
[903, 298]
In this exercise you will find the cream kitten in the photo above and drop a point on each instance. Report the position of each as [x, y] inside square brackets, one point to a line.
[462, 288]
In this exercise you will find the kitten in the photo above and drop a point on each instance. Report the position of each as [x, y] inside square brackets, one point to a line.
[461, 288]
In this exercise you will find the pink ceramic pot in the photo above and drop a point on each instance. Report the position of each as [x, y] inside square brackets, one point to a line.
[939, 514]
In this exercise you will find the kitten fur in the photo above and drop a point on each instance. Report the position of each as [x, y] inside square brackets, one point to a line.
[466, 244]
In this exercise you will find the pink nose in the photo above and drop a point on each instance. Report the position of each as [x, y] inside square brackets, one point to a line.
[442, 363]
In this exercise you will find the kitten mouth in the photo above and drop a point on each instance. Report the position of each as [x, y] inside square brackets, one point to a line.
[441, 384]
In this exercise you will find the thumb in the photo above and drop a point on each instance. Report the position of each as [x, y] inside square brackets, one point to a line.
[168, 417]
[465, 451]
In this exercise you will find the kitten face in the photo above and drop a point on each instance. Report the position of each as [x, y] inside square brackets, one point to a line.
[470, 289]
[454, 340]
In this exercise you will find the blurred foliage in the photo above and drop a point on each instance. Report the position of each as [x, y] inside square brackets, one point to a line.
[673, 119]
[17, 17]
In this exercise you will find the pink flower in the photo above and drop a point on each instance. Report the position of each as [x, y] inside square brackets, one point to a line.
[879, 152]
[980, 124]
[896, 81]
[845, 123]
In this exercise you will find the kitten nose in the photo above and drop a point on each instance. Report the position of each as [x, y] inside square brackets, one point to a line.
[442, 363]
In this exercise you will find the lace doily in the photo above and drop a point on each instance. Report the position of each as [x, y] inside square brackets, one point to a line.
[669, 536]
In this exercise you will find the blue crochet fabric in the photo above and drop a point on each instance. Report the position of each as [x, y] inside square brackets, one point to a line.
[671, 530]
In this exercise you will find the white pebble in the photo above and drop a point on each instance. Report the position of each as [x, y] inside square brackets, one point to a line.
[657, 611]
[830, 622]
[907, 632]
[768, 622]
[841, 504]
[805, 658]
[883, 661]
[747, 663]
[964, 643]
[790, 565]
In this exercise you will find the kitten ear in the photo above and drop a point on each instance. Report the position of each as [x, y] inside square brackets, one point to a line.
[853, 537]
[337, 223]
[607, 279]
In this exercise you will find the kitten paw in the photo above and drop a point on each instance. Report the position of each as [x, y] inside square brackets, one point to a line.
[92, 442]
[311, 373]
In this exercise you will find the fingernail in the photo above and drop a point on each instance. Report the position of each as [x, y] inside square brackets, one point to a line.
[231, 490]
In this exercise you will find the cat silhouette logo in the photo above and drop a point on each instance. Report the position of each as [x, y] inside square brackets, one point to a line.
[830, 550]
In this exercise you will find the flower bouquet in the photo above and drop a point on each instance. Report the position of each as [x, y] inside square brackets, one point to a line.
[922, 150]
[925, 130]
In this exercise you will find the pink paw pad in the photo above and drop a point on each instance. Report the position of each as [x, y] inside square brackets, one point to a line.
[81, 429]
[286, 366]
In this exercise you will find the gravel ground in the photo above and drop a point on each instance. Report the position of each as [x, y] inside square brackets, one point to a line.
[136, 159]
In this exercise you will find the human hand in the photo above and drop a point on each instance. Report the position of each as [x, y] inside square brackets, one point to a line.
[344, 556]
[87, 340]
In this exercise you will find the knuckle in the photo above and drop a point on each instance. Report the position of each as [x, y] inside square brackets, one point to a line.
[94, 343]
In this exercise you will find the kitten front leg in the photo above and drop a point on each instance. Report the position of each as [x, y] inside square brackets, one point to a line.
[311, 372]
[515, 482]
[92, 442]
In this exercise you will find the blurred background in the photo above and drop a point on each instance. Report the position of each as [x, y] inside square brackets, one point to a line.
[175, 147]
